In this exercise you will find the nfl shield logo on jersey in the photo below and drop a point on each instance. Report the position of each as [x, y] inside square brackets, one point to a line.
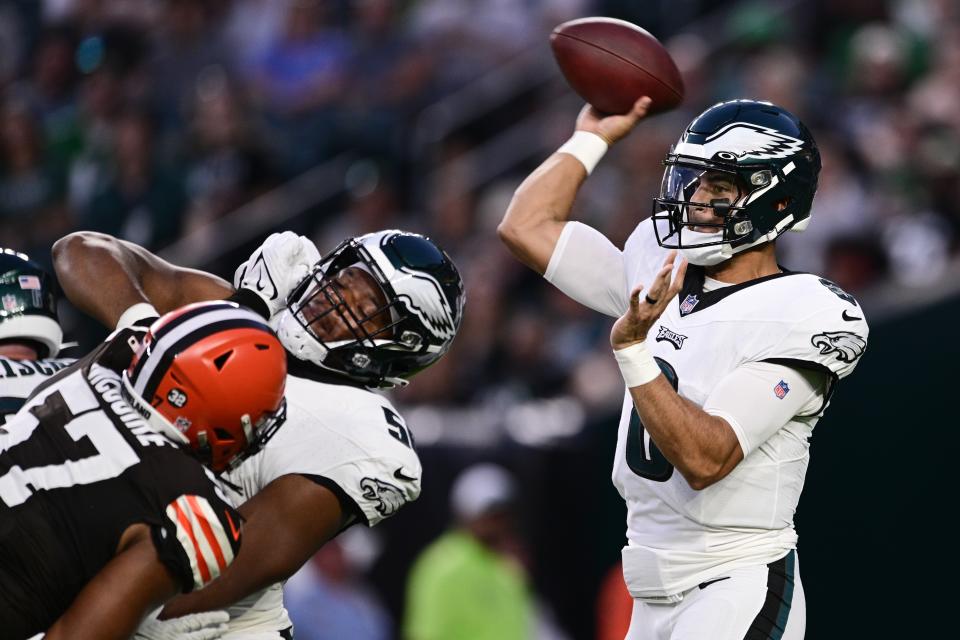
[688, 304]
[782, 389]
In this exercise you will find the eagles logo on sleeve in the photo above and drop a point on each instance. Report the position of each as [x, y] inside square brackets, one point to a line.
[846, 345]
[389, 498]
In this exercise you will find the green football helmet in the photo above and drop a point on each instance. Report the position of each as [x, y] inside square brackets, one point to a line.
[28, 312]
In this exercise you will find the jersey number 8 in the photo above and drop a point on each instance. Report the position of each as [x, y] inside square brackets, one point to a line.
[643, 456]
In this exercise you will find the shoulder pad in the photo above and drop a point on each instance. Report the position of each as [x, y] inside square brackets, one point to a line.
[832, 334]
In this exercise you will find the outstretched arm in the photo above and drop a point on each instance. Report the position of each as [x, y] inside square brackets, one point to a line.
[541, 204]
[104, 276]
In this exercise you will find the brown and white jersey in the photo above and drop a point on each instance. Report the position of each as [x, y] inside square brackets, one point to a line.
[78, 466]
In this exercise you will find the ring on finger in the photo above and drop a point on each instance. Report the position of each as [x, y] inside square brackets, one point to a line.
[650, 300]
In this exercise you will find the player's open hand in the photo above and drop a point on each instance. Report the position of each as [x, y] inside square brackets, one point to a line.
[645, 309]
[612, 127]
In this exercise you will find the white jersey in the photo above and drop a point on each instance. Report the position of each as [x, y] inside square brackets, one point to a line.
[678, 537]
[18, 379]
[354, 442]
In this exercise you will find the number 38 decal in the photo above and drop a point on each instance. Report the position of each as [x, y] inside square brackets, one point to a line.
[643, 456]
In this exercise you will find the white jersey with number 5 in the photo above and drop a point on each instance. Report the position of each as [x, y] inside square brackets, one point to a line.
[350, 440]
[678, 537]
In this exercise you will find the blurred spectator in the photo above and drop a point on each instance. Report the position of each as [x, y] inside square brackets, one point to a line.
[227, 163]
[841, 208]
[137, 197]
[251, 27]
[100, 103]
[50, 91]
[327, 599]
[475, 34]
[372, 204]
[300, 80]
[32, 212]
[390, 77]
[188, 47]
[11, 41]
[468, 583]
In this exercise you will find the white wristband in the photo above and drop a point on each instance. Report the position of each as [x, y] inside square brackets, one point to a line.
[586, 147]
[637, 366]
[136, 312]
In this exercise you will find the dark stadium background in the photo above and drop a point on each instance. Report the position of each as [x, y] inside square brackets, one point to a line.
[188, 126]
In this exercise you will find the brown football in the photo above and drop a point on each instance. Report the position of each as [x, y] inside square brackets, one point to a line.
[610, 63]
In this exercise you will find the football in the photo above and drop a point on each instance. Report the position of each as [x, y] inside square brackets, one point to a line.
[610, 63]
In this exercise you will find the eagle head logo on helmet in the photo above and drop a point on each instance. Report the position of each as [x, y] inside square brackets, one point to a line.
[210, 375]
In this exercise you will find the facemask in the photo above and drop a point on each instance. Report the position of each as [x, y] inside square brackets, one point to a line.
[296, 340]
[705, 256]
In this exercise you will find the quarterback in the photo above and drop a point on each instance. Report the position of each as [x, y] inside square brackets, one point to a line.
[729, 359]
[370, 314]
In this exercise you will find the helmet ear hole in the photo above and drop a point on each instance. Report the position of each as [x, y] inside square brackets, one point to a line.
[222, 434]
[221, 360]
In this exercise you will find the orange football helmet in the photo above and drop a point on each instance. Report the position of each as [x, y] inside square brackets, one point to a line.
[211, 375]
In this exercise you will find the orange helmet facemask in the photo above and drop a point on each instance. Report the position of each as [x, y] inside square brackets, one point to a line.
[211, 375]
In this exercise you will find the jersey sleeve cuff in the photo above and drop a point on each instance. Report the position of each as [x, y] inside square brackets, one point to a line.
[738, 429]
[347, 504]
[557, 254]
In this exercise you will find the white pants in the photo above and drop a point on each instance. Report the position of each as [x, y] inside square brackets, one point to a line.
[753, 603]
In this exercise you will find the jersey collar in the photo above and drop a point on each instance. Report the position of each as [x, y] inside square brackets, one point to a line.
[693, 298]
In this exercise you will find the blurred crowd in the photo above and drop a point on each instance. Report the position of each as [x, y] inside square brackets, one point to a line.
[151, 119]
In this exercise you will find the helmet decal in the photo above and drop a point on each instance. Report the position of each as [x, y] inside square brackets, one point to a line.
[433, 308]
[746, 141]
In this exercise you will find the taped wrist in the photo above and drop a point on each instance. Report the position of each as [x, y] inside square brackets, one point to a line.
[586, 147]
[637, 366]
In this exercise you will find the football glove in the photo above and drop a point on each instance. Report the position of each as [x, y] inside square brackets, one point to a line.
[276, 268]
[208, 625]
